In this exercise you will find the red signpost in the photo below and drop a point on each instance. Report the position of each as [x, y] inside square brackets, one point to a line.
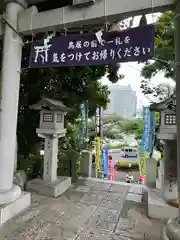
[111, 171]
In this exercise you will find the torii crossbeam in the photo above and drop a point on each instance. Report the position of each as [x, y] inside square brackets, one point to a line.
[30, 20]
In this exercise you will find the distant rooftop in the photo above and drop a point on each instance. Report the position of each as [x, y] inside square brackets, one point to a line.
[119, 87]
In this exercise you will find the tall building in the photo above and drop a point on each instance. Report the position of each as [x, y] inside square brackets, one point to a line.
[122, 101]
[139, 113]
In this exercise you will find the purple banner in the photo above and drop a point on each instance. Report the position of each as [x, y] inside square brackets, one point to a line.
[136, 44]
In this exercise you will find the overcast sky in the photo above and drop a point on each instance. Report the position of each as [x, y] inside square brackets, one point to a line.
[132, 72]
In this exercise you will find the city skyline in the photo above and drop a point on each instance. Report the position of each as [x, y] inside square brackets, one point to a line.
[122, 101]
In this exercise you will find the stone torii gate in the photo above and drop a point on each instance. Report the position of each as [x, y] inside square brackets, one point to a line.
[21, 19]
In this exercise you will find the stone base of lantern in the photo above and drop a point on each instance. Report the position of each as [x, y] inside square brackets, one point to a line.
[172, 230]
[8, 211]
[51, 189]
[158, 208]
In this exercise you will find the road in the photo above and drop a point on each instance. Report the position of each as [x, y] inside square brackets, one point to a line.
[116, 157]
[121, 174]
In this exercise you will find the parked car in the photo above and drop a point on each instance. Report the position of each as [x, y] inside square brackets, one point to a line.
[128, 152]
[124, 162]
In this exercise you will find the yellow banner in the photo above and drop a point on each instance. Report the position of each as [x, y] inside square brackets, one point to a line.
[98, 153]
[157, 117]
[143, 156]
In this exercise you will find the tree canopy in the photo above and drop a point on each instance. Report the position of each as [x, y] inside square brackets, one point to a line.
[163, 60]
[114, 126]
[134, 126]
[156, 93]
[164, 48]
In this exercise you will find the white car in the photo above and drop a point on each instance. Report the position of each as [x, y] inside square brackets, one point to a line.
[128, 152]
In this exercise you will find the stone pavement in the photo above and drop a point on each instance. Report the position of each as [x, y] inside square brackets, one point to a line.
[89, 210]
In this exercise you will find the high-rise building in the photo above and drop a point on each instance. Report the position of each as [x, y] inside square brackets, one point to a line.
[122, 101]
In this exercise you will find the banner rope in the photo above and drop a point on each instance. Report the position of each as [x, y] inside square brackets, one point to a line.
[64, 24]
[31, 29]
[152, 10]
[105, 16]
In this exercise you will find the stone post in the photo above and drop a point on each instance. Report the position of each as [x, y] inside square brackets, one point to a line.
[86, 164]
[50, 159]
[170, 191]
[151, 172]
[94, 171]
[11, 70]
[161, 176]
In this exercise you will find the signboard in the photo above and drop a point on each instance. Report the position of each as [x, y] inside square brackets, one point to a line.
[136, 44]
[152, 131]
[98, 121]
[157, 117]
[84, 121]
[104, 161]
[111, 170]
[145, 143]
[148, 135]
[142, 163]
[98, 153]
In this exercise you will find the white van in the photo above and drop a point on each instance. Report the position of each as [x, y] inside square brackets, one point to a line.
[128, 152]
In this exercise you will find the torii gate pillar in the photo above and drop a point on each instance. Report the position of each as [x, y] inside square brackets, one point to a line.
[12, 200]
[172, 229]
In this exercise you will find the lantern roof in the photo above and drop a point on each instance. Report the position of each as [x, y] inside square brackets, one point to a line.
[168, 103]
[50, 104]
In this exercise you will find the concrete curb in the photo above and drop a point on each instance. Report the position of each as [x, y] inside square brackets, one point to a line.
[114, 182]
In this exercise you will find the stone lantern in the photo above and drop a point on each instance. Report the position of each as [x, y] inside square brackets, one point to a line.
[51, 128]
[166, 180]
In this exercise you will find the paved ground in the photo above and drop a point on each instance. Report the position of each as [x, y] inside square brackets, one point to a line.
[89, 210]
